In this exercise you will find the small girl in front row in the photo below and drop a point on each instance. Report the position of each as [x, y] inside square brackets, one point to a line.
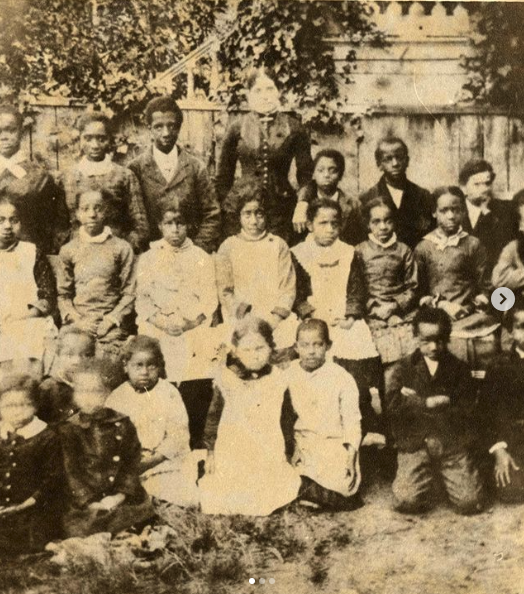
[327, 431]
[156, 409]
[246, 469]
[102, 455]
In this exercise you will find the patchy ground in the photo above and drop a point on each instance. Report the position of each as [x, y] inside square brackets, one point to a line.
[370, 551]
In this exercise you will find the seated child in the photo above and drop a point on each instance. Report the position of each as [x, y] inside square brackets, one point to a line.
[431, 407]
[254, 269]
[55, 403]
[390, 275]
[101, 454]
[96, 282]
[246, 469]
[327, 430]
[452, 276]
[328, 169]
[96, 171]
[30, 470]
[28, 293]
[156, 409]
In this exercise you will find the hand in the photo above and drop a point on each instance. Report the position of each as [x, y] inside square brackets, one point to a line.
[395, 320]
[481, 302]
[385, 310]
[210, 462]
[428, 300]
[504, 463]
[7, 510]
[437, 401]
[104, 327]
[274, 320]
[87, 325]
[149, 461]
[346, 324]
[192, 324]
[32, 312]
[300, 216]
[351, 456]
[108, 503]
[454, 310]
[172, 327]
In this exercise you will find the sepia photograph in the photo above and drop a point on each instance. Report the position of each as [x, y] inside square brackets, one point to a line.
[261, 297]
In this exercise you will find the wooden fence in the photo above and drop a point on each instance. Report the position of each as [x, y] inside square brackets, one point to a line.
[440, 142]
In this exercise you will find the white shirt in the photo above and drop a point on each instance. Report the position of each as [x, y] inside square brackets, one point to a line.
[167, 163]
[95, 168]
[34, 427]
[474, 212]
[432, 366]
[396, 194]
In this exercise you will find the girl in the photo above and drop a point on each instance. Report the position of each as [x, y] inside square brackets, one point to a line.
[96, 284]
[390, 275]
[327, 429]
[96, 171]
[254, 268]
[452, 276]
[328, 169]
[246, 468]
[30, 470]
[27, 294]
[156, 409]
[101, 455]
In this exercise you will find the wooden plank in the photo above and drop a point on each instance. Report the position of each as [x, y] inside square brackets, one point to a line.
[516, 155]
[444, 154]
[471, 139]
[496, 152]
[420, 139]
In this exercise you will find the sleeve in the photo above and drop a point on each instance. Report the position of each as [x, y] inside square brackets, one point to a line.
[350, 412]
[288, 419]
[407, 299]
[127, 285]
[50, 468]
[302, 307]
[58, 218]
[286, 282]
[209, 227]
[76, 479]
[176, 434]
[139, 235]
[307, 193]
[481, 270]
[508, 271]
[422, 271]
[207, 286]
[303, 160]
[213, 418]
[492, 407]
[144, 305]
[356, 291]
[46, 285]
[227, 161]
[66, 285]
[400, 400]
[225, 279]
[127, 480]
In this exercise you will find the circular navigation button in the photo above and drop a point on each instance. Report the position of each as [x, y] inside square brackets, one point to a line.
[503, 299]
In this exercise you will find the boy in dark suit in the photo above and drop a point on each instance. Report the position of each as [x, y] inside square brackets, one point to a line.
[410, 203]
[431, 404]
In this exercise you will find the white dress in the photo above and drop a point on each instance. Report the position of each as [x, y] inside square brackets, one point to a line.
[252, 475]
[326, 402]
[160, 418]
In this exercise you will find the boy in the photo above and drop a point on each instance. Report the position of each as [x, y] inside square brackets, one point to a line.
[410, 203]
[166, 171]
[431, 402]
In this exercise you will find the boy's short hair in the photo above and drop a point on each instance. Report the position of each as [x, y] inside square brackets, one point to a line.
[6, 109]
[314, 324]
[175, 205]
[442, 190]
[141, 343]
[72, 330]
[389, 139]
[163, 105]
[90, 117]
[374, 203]
[473, 167]
[107, 196]
[433, 315]
[102, 368]
[7, 197]
[316, 205]
[251, 324]
[335, 156]
[20, 382]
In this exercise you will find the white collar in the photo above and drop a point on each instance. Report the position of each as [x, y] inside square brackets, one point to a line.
[431, 365]
[443, 241]
[164, 245]
[247, 237]
[171, 157]
[391, 241]
[472, 208]
[13, 164]
[95, 168]
[33, 428]
[100, 238]
[520, 352]
[334, 197]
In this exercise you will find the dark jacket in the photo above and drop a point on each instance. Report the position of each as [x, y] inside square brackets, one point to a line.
[191, 185]
[55, 403]
[412, 422]
[414, 217]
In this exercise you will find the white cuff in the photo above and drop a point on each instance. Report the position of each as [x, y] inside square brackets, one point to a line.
[500, 445]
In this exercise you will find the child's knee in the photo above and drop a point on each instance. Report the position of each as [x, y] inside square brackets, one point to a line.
[409, 498]
[469, 506]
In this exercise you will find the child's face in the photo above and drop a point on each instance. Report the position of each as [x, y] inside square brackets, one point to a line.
[90, 394]
[448, 213]
[95, 141]
[517, 332]
[253, 219]
[478, 188]
[10, 135]
[173, 228]
[74, 350]
[143, 370]
[394, 161]
[91, 213]
[432, 343]
[381, 223]
[326, 174]
[164, 130]
[10, 225]
[325, 227]
[16, 408]
[253, 351]
[312, 349]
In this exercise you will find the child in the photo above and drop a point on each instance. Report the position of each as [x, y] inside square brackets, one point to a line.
[74, 348]
[96, 171]
[452, 276]
[390, 275]
[246, 469]
[28, 293]
[431, 399]
[30, 470]
[328, 169]
[327, 430]
[101, 454]
[254, 268]
[177, 296]
[156, 409]
[96, 286]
